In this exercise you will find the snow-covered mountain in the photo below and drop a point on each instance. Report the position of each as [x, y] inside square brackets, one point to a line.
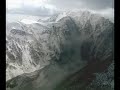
[45, 53]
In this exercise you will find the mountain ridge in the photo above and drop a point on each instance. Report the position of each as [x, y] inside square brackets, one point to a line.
[64, 47]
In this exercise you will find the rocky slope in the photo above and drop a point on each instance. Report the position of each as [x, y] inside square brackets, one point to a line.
[70, 50]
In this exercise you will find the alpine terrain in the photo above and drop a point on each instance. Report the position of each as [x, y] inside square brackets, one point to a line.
[68, 51]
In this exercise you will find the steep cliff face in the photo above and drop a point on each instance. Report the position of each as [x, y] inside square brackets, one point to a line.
[69, 46]
[27, 48]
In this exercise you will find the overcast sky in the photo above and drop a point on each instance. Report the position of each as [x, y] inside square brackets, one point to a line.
[38, 7]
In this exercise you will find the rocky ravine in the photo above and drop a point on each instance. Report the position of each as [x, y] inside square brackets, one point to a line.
[68, 51]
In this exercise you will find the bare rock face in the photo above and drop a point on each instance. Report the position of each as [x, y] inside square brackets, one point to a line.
[68, 51]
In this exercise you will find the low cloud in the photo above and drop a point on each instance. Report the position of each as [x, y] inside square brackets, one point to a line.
[88, 4]
[49, 7]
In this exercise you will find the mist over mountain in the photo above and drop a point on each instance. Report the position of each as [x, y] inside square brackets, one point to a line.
[70, 50]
